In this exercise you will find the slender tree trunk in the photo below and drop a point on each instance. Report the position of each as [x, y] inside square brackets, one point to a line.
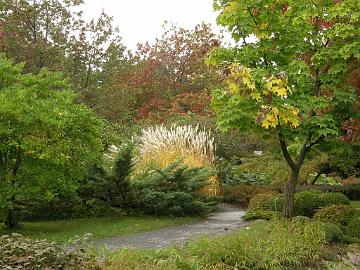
[290, 185]
[316, 177]
[289, 191]
[11, 220]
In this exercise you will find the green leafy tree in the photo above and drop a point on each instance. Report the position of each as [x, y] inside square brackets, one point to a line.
[289, 75]
[47, 140]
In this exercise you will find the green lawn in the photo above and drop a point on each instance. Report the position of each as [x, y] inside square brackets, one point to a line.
[355, 203]
[63, 230]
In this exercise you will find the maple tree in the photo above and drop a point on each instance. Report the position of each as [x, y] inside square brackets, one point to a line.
[175, 62]
[174, 73]
[289, 76]
[160, 78]
[352, 126]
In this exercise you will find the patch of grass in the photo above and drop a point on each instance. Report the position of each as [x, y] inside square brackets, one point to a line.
[355, 204]
[63, 230]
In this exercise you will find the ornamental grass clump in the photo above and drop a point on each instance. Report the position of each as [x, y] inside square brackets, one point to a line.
[160, 146]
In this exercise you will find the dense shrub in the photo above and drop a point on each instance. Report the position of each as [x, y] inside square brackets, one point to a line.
[352, 191]
[266, 201]
[234, 145]
[104, 193]
[333, 198]
[336, 214]
[259, 166]
[353, 228]
[18, 252]
[113, 188]
[173, 190]
[242, 194]
[231, 173]
[69, 208]
[333, 233]
[306, 202]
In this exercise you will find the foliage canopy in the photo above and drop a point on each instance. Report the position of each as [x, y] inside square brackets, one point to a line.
[289, 76]
[47, 141]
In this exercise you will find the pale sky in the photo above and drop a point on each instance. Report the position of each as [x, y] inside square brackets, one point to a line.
[141, 20]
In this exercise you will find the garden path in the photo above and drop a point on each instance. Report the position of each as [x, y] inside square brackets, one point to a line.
[226, 219]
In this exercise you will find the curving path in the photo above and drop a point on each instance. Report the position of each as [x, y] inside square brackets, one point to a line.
[226, 219]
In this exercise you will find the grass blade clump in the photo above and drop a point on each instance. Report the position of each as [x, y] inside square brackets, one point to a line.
[160, 146]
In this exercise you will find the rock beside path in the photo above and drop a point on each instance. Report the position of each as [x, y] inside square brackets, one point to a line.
[226, 219]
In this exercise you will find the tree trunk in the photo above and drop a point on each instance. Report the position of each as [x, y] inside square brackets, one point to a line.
[11, 220]
[316, 177]
[289, 191]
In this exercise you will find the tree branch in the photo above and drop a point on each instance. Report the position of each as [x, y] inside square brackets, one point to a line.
[285, 152]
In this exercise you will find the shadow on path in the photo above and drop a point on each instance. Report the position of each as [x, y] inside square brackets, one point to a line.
[226, 219]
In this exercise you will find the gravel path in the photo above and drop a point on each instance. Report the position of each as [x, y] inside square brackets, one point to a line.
[226, 219]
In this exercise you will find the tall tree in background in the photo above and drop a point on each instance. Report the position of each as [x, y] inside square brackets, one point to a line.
[36, 32]
[173, 72]
[290, 77]
[162, 78]
[96, 45]
[51, 34]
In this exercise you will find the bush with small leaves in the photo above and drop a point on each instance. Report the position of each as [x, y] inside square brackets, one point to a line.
[352, 191]
[352, 230]
[173, 190]
[266, 201]
[306, 202]
[333, 198]
[300, 219]
[241, 194]
[336, 214]
[19, 252]
[333, 233]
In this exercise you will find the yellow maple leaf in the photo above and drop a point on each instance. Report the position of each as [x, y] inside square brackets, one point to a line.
[255, 95]
[265, 124]
[233, 87]
[280, 91]
[295, 123]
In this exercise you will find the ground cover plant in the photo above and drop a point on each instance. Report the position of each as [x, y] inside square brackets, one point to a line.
[18, 252]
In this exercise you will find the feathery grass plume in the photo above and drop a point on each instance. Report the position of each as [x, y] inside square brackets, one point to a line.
[160, 146]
